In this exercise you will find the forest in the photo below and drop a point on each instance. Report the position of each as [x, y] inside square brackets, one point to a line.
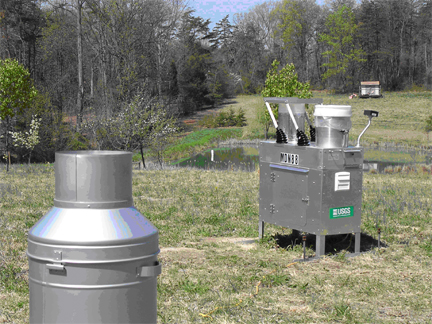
[121, 71]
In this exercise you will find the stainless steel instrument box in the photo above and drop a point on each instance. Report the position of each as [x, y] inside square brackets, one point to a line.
[311, 189]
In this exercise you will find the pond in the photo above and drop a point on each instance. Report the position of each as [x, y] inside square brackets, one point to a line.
[224, 158]
[246, 158]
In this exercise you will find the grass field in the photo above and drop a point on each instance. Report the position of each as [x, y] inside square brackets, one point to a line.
[215, 270]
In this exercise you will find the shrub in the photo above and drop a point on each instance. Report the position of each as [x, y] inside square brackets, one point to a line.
[224, 119]
[240, 118]
[208, 121]
[79, 142]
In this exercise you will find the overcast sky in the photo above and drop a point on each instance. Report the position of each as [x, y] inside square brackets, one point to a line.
[216, 10]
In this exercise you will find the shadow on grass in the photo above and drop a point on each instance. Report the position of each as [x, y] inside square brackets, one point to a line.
[334, 244]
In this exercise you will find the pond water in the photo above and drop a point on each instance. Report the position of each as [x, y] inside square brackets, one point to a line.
[246, 158]
[224, 158]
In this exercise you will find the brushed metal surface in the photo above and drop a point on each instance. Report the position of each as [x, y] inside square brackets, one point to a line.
[93, 256]
[93, 179]
[300, 196]
[327, 137]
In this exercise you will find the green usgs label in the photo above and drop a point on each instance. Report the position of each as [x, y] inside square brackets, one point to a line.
[341, 212]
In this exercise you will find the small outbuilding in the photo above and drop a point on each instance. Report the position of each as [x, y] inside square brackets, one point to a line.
[370, 89]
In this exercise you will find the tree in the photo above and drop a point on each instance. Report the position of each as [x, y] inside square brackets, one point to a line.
[255, 46]
[260, 16]
[30, 138]
[425, 44]
[372, 32]
[297, 27]
[162, 129]
[221, 36]
[282, 83]
[20, 28]
[193, 63]
[57, 62]
[343, 53]
[16, 94]
[75, 8]
[141, 123]
[80, 93]
[251, 60]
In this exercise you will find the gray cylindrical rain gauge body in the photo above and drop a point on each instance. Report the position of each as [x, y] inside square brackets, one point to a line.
[93, 256]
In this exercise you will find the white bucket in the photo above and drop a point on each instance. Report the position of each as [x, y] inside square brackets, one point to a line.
[332, 123]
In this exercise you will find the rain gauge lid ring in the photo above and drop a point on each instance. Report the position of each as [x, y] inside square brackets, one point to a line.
[333, 111]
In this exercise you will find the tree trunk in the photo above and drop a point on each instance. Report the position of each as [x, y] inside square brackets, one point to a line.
[160, 158]
[80, 94]
[7, 143]
[411, 59]
[142, 156]
[92, 83]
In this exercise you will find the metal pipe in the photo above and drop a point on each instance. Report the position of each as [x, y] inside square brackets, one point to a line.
[304, 247]
[292, 116]
[370, 114]
[364, 130]
[271, 115]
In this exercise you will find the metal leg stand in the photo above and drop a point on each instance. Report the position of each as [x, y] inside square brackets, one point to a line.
[320, 245]
[357, 243]
[261, 229]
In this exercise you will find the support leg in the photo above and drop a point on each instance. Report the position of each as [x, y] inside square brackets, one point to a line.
[295, 233]
[261, 229]
[320, 245]
[357, 243]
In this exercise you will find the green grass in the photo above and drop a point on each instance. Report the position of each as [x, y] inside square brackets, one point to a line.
[204, 137]
[210, 276]
[401, 157]
[196, 141]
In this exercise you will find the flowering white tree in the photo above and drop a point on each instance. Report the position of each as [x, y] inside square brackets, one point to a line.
[28, 139]
[160, 136]
[141, 123]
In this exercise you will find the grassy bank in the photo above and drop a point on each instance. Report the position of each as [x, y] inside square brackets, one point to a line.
[213, 271]
[191, 143]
